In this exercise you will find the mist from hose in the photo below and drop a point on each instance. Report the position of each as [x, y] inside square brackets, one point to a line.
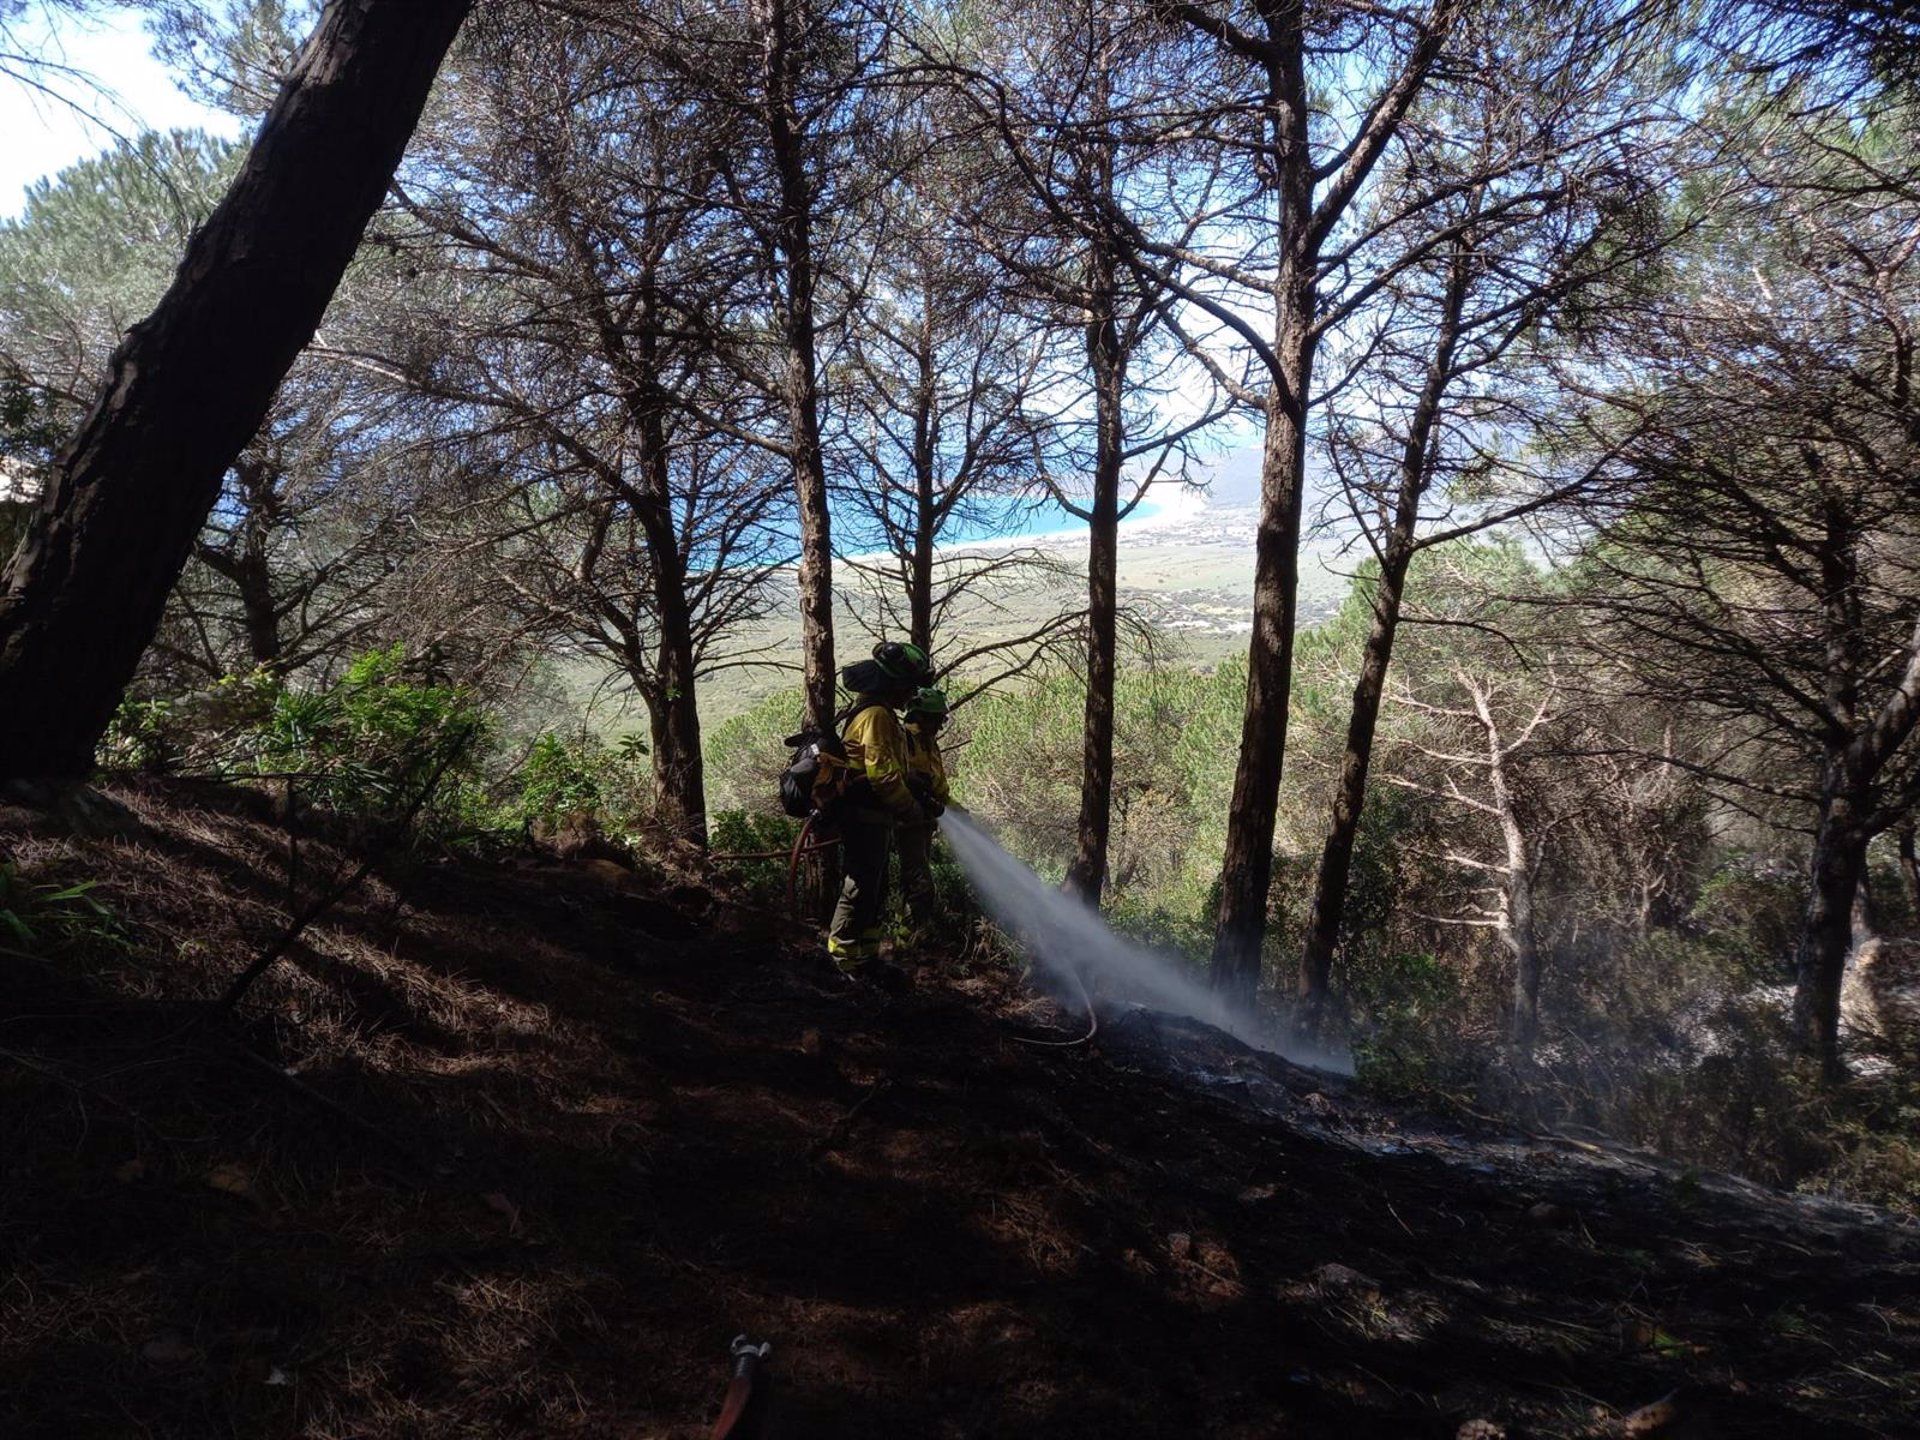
[1067, 938]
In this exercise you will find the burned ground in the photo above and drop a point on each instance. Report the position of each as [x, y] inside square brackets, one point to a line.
[514, 1148]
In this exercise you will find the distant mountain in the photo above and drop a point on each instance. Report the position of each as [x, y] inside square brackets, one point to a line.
[1232, 478]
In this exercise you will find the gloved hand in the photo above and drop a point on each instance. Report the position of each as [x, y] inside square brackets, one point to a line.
[933, 808]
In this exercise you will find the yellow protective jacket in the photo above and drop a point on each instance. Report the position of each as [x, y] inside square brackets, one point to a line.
[876, 749]
[924, 758]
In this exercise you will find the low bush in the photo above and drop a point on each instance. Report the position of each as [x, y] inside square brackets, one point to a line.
[579, 783]
[38, 917]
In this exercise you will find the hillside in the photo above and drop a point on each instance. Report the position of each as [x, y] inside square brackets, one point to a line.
[513, 1148]
[1185, 575]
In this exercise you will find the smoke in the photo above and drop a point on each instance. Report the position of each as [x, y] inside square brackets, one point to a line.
[1068, 939]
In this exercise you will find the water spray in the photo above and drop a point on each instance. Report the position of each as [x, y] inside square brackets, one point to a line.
[1074, 948]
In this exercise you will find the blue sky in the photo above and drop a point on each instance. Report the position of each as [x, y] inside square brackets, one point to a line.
[129, 91]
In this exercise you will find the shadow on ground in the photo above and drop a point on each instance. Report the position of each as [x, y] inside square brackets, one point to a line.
[532, 1143]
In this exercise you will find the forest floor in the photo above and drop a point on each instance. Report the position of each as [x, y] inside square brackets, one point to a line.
[516, 1148]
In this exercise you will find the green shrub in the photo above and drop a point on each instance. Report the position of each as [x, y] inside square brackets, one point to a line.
[1753, 905]
[380, 742]
[215, 729]
[580, 781]
[38, 916]
[143, 737]
[741, 832]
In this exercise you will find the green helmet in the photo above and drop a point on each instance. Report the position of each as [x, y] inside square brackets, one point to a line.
[930, 701]
[901, 661]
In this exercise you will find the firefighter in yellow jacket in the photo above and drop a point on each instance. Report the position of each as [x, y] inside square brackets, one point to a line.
[876, 796]
[927, 778]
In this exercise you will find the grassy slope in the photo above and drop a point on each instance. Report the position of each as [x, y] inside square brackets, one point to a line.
[590, 1127]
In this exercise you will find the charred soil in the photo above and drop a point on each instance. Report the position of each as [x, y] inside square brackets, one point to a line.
[514, 1148]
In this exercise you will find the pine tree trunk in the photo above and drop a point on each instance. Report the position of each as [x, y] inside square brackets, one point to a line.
[1866, 915]
[261, 612]
[679, 769]
[1826, 934]
[801, 380]
[1349, 801]
[1247, 869]
[189, 385]
[1343, 828]
[1087, 875]
[926, 516]
[1856, 750]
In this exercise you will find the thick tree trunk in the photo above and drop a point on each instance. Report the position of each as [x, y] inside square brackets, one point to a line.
[1247, 869]
[920, 587]
[1087, 875]
[1524, 1028]
[1854, 755]
[260, 611]
[1826, 934]
[679, 769]
[1866, 915]
[920, 563]
[800, 383]
[189, 385]
[251, 577]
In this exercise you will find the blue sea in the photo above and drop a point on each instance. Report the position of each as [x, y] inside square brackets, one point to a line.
[1000, 519]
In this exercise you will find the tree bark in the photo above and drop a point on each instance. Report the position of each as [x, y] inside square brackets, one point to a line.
[261, 611]
[189, 385]
[926, 445]
[1087, 875]
[1826, 933]
[679, 768]
[800, 382]
[1343, 827]
[1247, 870]
[1840, 838]
[1858, 751]
[1866, 916]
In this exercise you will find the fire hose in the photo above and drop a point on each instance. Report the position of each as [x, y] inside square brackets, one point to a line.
[799, 851]
[1093, 1021]
[743, 1413]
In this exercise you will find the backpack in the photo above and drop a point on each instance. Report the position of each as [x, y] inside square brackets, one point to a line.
[809, 784]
